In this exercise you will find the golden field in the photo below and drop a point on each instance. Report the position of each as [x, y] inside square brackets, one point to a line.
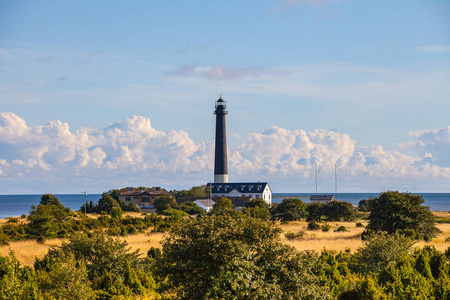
[316, 240]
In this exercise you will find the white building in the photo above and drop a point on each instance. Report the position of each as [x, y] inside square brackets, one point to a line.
[206, 204]
[242, 189]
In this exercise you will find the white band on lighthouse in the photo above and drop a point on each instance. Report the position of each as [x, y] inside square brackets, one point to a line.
[220, 178]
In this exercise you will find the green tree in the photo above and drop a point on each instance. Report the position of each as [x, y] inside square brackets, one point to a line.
[315, 211]
[382, 250]
[165, 202]
[234, 256]
[46, 220]
[65, 278]
[49, 199]
[290, 209]
[394, 211]
[192, 208]
[222, 205]
[176, 214]
[17, 282]
[114, 193]
[339, 211]
[106, 204]
[111, 268]
[257, 208]
[363, 205]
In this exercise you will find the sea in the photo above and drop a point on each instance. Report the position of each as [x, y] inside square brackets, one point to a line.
[17, 205]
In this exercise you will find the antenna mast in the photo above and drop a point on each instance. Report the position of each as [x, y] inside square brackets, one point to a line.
[335, 180]
[315, 174]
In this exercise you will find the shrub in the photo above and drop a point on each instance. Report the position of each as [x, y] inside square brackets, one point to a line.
[295, 236]
[312, 225]
[325, 227]
[174, 213]
[382, 250]
[359, 224]
[4, 239]
[341, 228]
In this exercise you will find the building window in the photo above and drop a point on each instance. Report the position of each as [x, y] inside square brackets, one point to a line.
[127, 198]
[145, 199]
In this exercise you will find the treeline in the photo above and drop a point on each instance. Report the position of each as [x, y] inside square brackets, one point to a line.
[51, 219]
[390, 212]
[228, 255]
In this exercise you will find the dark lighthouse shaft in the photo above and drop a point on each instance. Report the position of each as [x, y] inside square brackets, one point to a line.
[220, 159]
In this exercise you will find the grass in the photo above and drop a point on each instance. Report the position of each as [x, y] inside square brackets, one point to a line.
[442, 217]
[316, 240]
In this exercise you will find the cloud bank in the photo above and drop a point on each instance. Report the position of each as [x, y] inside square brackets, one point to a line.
[51, 157]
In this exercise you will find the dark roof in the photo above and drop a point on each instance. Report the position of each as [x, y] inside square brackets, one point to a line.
[322, 197]
[241, 187]
[141, 192]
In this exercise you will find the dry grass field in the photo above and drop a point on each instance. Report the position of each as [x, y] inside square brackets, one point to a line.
[316, 240]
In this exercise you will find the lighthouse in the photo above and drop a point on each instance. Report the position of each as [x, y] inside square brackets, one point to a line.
[220, 158]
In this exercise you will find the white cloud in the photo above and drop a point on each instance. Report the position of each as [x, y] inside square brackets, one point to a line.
[434, 49]
[132, 152]
[432, 145]
[222, 72]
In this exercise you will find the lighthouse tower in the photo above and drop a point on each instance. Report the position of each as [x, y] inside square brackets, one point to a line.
[220, 158]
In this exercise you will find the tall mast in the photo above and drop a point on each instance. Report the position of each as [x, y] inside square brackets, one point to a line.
[315, 174]
[335, 180]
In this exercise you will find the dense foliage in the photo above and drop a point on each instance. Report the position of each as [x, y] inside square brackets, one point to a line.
[234, 256]
[394, 211]
[290, 209]
[56, 221]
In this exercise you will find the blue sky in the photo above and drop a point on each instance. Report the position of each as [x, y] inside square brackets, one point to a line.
[377, 72]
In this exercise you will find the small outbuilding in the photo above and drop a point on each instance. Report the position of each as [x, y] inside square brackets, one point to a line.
[322, 198]
[206, 204]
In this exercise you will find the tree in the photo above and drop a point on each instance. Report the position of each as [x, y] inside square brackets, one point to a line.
[221, 205]
[257, 208]
[256, 202]
[114, 193]
[165, 202]
[49, 199]
[363, 205]
[382, 250]
[290, 209]
[394, 211]
[339, 211]
[192, 208]
[106, 204]
[234, 256]
[65, 278]
[46, 220]
[315, 211]
[111, 268]
[17, 282]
